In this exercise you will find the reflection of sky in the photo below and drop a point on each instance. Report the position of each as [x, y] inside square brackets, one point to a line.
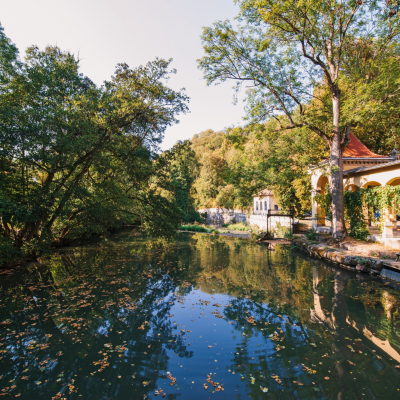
[229, 343]
[283, 346]
[207, 330]
[103, 329]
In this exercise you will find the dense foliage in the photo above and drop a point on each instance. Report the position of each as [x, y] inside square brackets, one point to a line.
[298, 57]
[377, 203]
[225, 169]
[182, 172]
[77, 159]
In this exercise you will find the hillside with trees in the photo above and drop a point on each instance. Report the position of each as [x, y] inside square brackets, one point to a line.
[78, 159]
[230, 166]
[319, 65]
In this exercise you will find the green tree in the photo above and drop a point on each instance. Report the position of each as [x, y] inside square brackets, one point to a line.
[371, 94]
[77, 158]
[286, 49]
[183, 170]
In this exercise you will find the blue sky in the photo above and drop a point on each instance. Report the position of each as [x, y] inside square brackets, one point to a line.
[105, 33]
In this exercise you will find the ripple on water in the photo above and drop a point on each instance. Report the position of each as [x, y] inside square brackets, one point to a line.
[202, 316]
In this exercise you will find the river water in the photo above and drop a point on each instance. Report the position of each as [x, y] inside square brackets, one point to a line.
[202, 317]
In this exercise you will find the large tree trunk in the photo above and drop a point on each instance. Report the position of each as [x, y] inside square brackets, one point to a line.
[336, 176]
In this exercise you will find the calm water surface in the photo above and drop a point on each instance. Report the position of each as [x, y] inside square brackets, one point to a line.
[204, 317]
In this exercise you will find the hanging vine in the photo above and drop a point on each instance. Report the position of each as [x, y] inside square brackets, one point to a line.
[378, 201]
[354, 215]
[325, 202]
[381, 200]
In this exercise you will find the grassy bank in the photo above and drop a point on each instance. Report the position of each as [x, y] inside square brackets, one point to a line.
[197, 228]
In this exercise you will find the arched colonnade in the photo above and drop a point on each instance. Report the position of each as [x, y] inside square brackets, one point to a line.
[378, 175]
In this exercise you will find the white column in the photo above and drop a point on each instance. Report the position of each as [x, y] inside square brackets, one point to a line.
[314, 210]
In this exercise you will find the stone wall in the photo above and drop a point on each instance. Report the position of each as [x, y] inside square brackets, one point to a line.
[220, 216]
[261, 221]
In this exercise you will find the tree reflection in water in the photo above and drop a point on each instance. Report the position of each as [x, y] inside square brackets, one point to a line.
[110, 320]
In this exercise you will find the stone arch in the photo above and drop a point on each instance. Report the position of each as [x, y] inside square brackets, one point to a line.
[370, 184]
[352, 187]
[394, 182]
[321, 183]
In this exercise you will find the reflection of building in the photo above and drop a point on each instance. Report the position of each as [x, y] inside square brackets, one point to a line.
[362, 168]
[334, 315]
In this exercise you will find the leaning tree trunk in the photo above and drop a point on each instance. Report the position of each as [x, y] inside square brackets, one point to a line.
[336, 173]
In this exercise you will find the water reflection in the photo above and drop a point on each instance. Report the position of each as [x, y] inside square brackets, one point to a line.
[205, 316]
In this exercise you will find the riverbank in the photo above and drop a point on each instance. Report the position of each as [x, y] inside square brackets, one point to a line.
[240, 235]
[352, 255]
[363, 257]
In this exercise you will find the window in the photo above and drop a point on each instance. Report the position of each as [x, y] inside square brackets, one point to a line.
[265, 205]
[257, 205]
[276, 208]
[261, 205]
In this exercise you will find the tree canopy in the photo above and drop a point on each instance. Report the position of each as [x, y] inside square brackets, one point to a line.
[293, 54]
[77, 159]
[235, 164]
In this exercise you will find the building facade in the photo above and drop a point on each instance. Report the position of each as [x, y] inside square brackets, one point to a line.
[362, 169]
[264, 201]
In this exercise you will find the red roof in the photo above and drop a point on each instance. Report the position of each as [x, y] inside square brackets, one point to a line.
[356, 149]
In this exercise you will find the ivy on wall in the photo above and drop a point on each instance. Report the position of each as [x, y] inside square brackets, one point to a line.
[354, 214]
[377, 200]
[325, 202]
[382, 199]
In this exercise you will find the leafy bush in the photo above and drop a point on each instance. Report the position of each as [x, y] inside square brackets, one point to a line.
[312, 235]
[255, 232]
[282, 231]
[354, 214]
[195, 228]
[193, 216]
[236, 227]
[288, 235]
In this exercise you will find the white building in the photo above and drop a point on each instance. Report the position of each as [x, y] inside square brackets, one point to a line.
[264, 201]
[264, 204]
[362, 169]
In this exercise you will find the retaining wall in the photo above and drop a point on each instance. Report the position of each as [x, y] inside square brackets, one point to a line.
[261, 221]
[220, 216]
[349, 260]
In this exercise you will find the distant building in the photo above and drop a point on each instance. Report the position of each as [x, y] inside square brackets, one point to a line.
[264, 201]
